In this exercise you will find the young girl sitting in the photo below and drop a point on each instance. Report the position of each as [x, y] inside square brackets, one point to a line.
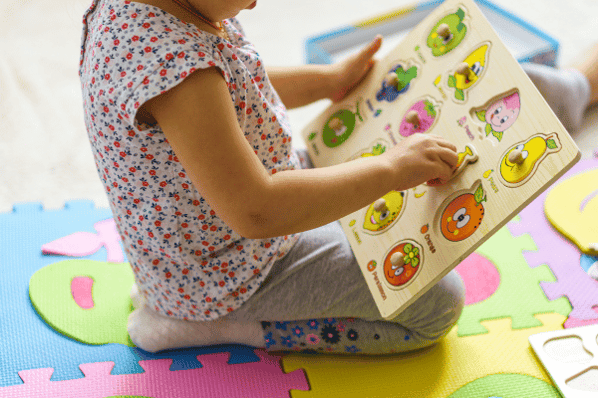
[232, 238]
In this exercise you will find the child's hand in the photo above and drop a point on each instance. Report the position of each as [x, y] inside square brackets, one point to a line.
[422, 157]
[346, 74]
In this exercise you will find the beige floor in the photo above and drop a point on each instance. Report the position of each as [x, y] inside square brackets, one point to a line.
[44, 153]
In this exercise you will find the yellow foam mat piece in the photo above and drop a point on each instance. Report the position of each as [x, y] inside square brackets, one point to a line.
[434, 372]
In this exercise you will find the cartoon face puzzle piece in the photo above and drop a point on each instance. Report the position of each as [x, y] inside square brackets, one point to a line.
[448, 33]
[462, 213]
[519, 163]
[420, 117]
[469, 155]
[402, 263]
[384, 213]
[499, 114]
[469, 72]
[572, 208]
[397, 81]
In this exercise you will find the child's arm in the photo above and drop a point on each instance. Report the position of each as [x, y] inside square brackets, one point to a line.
[203, 131]
[302, 85]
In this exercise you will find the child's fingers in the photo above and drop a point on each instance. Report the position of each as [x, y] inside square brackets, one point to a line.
[448, 157]
[447, 144]
[371, 49]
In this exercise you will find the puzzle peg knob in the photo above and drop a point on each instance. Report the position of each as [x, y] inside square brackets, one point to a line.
[413, 118]
[397, 259]
[463, 69]
[516, 156]
[444, 31]
[392, 79]
[380, 205]
[335, 123]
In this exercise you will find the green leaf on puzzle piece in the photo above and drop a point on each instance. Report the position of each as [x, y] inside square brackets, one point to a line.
[405, 76]
[461, 14]
[519, 295]
[497, 134]
[53, 293]
[551, 143]
[502, 385]
[481, 115]
[378, 149]
[452, 81]
[459, 94]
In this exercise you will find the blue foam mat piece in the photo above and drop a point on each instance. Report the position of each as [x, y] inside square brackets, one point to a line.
[26, 341]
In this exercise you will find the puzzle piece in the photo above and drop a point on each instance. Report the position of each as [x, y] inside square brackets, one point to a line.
[518, 296]
[435, 372]
[216, 379]
[80, 244]
[562, 256]
[105, 319]
[27, 341]
[480, 277]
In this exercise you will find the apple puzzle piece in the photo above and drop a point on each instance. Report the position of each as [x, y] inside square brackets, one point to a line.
[339, 127]
[447, 33]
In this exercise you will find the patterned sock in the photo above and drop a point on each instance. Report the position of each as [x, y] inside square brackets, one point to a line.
[567, 91]
[340, 336]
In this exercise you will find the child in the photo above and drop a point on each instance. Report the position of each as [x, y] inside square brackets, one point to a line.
[230, 237]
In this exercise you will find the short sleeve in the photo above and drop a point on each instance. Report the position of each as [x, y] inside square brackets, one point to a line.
[162, 64]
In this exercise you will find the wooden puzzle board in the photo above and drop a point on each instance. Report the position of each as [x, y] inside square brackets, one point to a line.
[570, 357]
[489, 110]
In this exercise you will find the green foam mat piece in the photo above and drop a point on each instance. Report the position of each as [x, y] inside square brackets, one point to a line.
[51, 291]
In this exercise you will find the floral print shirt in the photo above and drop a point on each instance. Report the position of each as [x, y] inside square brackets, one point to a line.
[187, 262]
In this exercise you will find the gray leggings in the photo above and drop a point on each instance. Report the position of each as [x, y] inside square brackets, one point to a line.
[316, 299]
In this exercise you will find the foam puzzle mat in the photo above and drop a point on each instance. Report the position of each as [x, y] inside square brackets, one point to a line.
[64, 302]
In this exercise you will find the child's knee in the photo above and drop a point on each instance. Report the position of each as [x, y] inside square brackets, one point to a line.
[434, 314]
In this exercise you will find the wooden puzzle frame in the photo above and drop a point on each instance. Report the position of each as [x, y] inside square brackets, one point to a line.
[533, 45]
[511, 160]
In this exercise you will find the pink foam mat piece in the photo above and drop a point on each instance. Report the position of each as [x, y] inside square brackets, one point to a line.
[562, 256]
[215, 379]
[81, 244]
[480, 276]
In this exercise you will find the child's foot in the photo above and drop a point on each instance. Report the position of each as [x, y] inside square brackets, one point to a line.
[567, 91]
[153, 332]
